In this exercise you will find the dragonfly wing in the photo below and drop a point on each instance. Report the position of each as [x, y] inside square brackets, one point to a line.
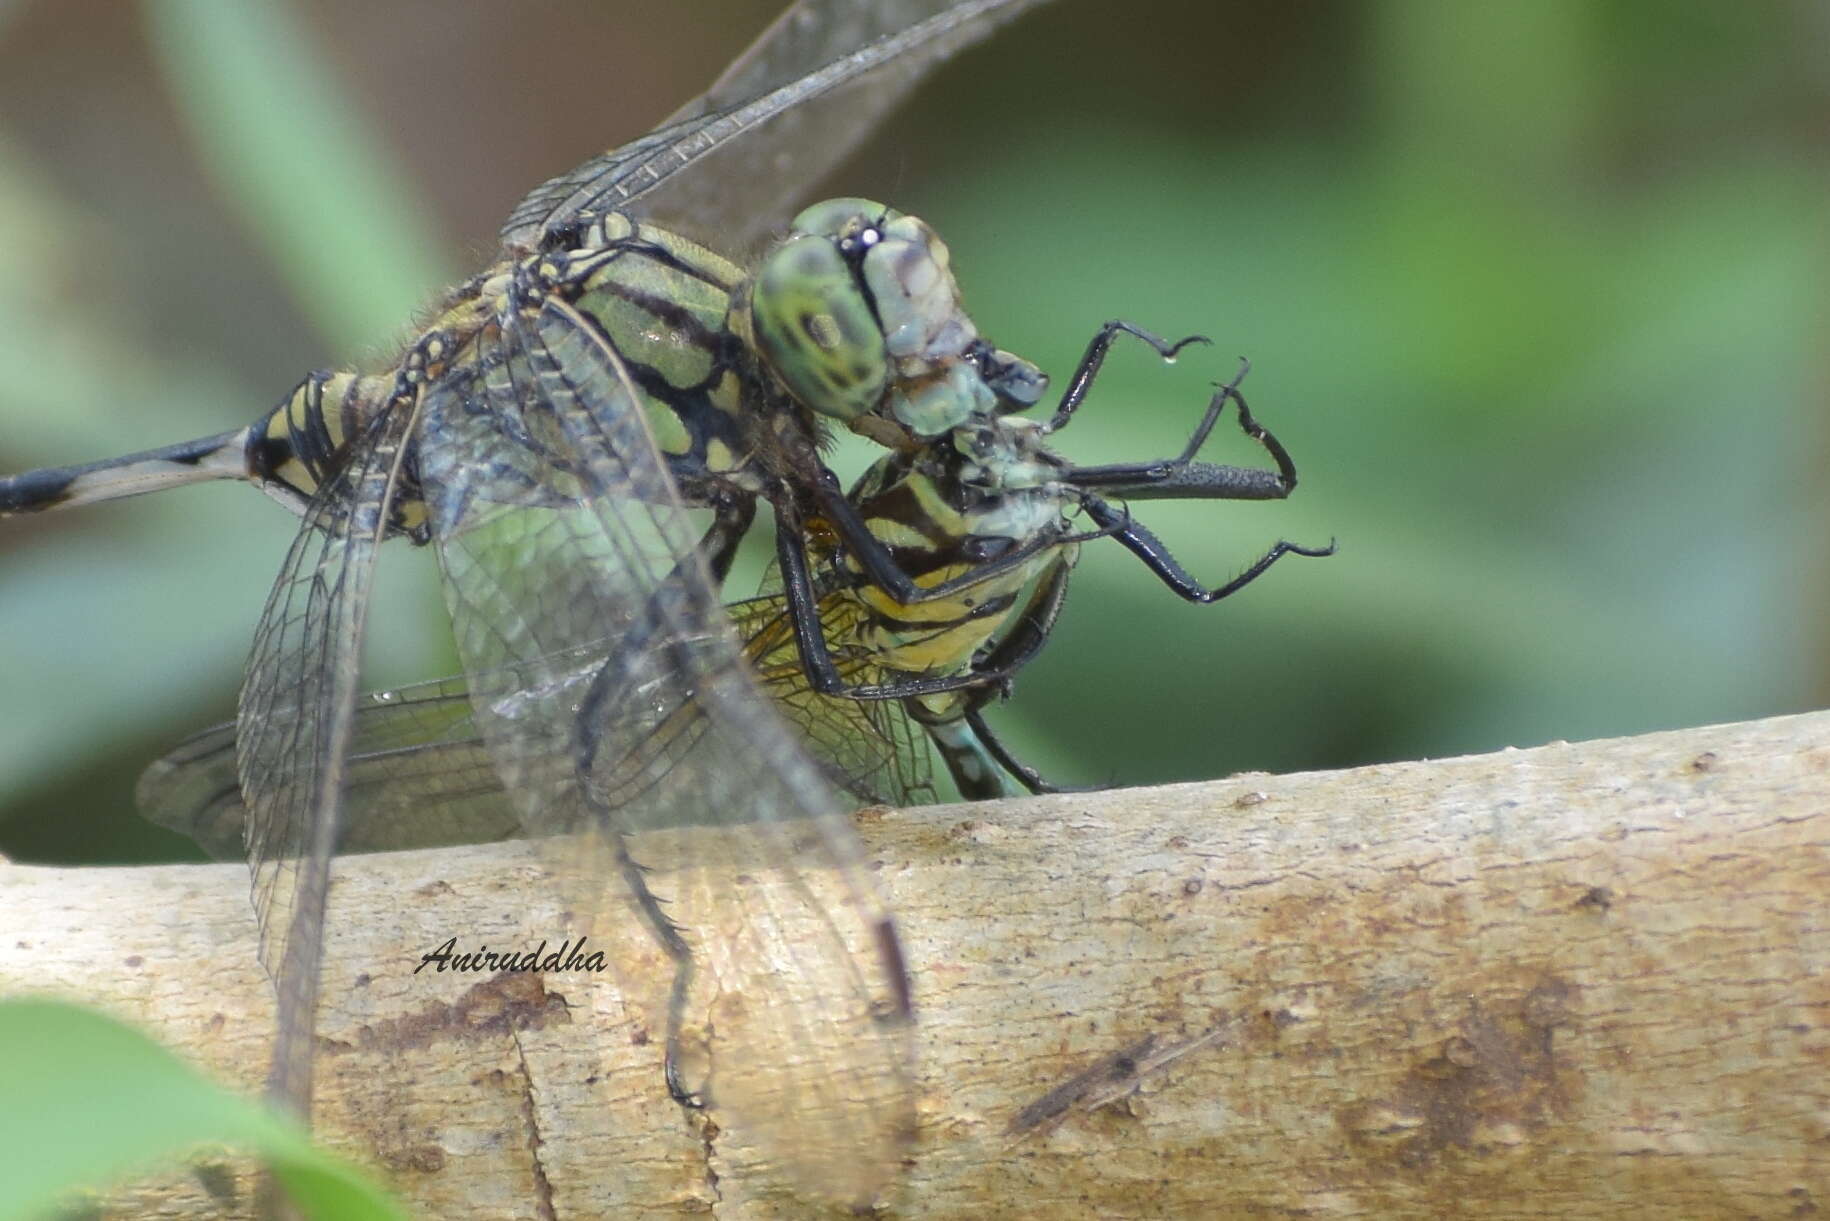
[732, 162]
[297, 703]
[416, 776]
[871, 749]
[805, 37]
[562, 538]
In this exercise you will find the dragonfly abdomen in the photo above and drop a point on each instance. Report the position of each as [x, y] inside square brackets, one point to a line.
[222, 456]
[288, 453]
[301, 443]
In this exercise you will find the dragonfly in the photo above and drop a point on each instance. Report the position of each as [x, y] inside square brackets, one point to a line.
[419, 773]
[549, 434]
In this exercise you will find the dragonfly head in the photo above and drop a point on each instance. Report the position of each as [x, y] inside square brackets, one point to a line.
[857, 313]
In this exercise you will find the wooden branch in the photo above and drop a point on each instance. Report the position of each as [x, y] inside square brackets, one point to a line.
[1576, 981]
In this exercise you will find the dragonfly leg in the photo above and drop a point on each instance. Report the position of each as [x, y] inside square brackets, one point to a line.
[1150, 549]
[810, 636]
[1022, 772]
[1095, 356]
[880, 566]
[617, 675]
[674, 944]
[1181, 478]
[731, 518]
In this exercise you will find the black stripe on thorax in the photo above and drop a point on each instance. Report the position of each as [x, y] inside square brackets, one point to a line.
[661, 254]
[719, 343]
[989, 609]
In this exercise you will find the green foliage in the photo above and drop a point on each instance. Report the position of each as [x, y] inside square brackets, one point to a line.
[1533, 298]
[88, 1101]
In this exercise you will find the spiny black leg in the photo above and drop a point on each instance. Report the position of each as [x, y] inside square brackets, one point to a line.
[803, 599]
[810, 633]
[1216, 405]
[1095, 356]
[880, 566]
[681, 955]
[1147, 547]
[612, 678]
[1182, 478]
[1259, 433]
[1180, 481]
[1022, 772]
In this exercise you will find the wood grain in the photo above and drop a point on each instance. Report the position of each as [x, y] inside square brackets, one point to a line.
[1574, 981]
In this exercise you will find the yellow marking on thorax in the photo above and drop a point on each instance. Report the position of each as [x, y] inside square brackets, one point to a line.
[947, 651]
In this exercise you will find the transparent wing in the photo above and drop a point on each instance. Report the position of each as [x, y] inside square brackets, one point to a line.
[871, 749]
[561, 538]
[297, 702]
[418, 774]
[732, 162]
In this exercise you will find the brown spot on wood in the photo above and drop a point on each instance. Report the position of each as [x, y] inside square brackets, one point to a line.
[434, 889]
[218, 1180]
[1705, 762]
[1247, 800]
[132, 960]
[1547, 1004]
[516, 1000]
[1192, 887]
[426, 1159]
[1596, 899]
[1493, 1087]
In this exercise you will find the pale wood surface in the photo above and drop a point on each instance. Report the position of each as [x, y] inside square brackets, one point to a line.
[1575, 981]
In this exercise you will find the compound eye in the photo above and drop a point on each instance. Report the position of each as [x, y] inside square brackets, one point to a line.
[815, 328]
[843, 219]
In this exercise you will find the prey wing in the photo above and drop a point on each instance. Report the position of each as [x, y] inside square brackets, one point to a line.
[419, 776]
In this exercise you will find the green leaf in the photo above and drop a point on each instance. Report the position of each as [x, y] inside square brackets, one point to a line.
[86, 1100]
[293, 153]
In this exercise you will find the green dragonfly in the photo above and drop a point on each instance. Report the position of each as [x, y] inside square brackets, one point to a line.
[419, 772]
[549, 434]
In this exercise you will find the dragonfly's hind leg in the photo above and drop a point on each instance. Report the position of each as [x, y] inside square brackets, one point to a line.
[617, 674]
[674, 945]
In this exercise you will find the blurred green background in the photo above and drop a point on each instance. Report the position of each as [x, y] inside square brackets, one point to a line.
[1535, 294]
